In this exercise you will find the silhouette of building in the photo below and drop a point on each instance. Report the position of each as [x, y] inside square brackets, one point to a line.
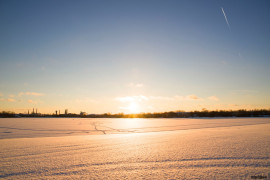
[66, 111]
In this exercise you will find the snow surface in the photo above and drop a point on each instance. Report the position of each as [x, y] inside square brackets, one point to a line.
[232, 148]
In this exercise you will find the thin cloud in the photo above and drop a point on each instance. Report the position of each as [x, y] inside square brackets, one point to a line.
[132, 98]
[8, 100]
[137, 85]
[161, 98]
[226, 19]
[85, 100]
[233, 105]
[193, 97]
[30, 101]
[11, 100]
[213, 98]
[30, 94]
[140, 98]
[189, 97]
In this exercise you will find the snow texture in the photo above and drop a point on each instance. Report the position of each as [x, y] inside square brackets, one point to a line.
[232, 148]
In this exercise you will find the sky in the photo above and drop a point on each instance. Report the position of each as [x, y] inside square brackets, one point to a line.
[134, 56]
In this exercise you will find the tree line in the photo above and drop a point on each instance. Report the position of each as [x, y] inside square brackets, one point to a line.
[170, 114]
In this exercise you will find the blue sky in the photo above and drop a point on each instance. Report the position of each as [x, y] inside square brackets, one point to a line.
[134, 56]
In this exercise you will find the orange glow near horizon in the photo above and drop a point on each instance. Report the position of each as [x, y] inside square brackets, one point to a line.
[133, 108]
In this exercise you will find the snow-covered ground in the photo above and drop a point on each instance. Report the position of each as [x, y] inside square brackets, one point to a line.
[134, 148]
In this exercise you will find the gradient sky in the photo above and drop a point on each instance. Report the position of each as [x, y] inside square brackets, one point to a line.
[134, 56]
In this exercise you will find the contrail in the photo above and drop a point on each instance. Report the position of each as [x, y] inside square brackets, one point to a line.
[226, 18]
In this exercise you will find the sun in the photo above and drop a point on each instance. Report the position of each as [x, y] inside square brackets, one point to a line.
[133, 107]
